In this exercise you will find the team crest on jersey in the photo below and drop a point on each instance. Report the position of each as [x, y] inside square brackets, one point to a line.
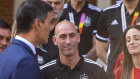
[87, 21]
[83, 77]
[40, 59]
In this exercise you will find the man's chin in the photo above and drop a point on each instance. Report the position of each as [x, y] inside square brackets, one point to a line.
[1, 50]
[56, 17]
[69, 54]
[79, 1]
[46, 42]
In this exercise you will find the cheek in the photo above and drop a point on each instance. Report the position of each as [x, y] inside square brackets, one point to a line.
[47, 29]
[8, 43]
[47, 26]
[139, 45]
[60, 43]
[127, 44]
[59, 9]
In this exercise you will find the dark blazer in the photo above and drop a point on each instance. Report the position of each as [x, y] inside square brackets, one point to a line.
[17, 61]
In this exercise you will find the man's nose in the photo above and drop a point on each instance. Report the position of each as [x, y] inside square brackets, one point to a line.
[68, 40]
[4, 42]
[53, 5]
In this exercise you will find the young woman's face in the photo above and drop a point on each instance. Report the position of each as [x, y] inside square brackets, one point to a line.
[133, 41]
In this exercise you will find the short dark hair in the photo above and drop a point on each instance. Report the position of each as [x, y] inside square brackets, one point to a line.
[28, 11]
[4, 25]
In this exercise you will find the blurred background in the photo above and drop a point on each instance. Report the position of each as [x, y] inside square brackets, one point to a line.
[8, 7]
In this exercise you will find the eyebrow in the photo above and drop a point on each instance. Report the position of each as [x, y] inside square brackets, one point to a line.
[133, 35]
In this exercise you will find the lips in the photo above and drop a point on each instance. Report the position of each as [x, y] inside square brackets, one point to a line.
[68, 47]
[54, 12]
[133, 47]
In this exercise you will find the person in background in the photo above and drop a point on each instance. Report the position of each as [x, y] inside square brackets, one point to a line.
[42, 56]
[5, 34]
[130, 68]
[48, 51]
[112, 23]
[69, 64]
[85, 17]
[52, 50]
[119, 61]
[18, 60]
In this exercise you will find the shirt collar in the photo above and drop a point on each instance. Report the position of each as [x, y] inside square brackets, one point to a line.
[79, 64]
[26, 42]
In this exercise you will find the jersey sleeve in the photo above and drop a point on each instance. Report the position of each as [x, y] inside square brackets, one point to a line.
[95, 23]
[102, 29]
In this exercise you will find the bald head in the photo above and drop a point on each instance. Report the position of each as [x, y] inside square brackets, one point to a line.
[66, 38]
[65, 25]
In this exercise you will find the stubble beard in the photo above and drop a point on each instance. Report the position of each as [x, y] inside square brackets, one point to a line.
[58, 15]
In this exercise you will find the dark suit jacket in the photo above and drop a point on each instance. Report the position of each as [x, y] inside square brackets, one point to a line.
[17, 61]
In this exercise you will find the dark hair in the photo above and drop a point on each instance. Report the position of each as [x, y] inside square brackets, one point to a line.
[4, 24]
[137, 20]
[28, 11]
[127, 63]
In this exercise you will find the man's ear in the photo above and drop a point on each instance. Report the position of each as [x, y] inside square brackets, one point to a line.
[37, 24]
[54, 40]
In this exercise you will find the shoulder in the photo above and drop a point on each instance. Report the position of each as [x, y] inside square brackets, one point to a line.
[113, 7]
[15, 51]
[91, 62]
[96, 69]
[28, 62]
[66, 9]
[20, 67]
[108, 12]
[92, 7]
[51, 63]
[65, 5]
[29, 66]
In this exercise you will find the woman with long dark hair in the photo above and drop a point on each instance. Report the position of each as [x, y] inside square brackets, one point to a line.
[131, 51]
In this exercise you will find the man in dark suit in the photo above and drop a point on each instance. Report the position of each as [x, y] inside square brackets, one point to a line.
[18, 60]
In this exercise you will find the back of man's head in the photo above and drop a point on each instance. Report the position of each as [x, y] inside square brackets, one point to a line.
[4, 25]
[28, 11]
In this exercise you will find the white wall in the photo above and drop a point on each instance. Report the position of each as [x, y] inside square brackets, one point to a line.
[16, 4]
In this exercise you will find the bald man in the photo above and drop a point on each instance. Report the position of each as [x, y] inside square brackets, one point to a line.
[70, 65]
